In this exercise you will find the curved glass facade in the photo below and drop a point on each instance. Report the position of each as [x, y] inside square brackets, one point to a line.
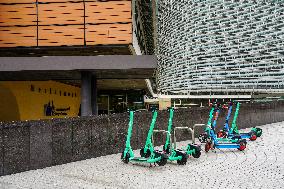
[220, 46]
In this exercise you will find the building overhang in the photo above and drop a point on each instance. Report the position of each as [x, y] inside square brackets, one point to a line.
[68, 63]
[69, 67]
[127, 71]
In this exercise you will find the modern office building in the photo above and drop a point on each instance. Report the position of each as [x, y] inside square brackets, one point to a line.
[66, 58]
[220, 47]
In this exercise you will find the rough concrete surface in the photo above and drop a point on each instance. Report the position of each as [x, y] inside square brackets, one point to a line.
[261, 165]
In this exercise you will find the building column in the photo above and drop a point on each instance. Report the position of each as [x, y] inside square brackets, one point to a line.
[86, 86]
[164, 103]
[94, 96]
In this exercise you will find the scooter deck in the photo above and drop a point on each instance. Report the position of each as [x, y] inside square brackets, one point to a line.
[138, 159]
[142, 159]
[245, 135]
[242, 135]
[176, 157]
[224, 145]
[226, 140]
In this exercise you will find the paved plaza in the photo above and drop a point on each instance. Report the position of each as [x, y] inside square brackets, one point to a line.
[261, 165]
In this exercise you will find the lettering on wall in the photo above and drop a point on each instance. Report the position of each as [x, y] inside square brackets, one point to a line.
[51, 110]
[53, 91]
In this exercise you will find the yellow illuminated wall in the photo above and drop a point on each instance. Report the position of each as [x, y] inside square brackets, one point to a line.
[31, 100]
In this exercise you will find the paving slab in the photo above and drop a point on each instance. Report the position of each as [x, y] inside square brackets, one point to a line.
[261, 165]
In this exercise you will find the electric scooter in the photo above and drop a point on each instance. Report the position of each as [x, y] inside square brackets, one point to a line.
[148, 154]
[214, 114]
[228, 132]
[179, 155]
[172, 154]
[212, 141]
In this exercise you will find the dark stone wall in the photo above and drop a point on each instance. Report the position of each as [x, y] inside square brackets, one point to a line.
[38, 144]
[16, 147]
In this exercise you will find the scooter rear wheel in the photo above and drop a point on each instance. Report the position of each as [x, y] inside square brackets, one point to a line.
[163, 160]
[196, 154]
[258, 132]
[183, 159]
[253, 136]
[242, 146]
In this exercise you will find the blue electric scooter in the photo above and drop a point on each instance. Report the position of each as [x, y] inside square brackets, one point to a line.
[228, 132]
[214, 114]
[213, 142]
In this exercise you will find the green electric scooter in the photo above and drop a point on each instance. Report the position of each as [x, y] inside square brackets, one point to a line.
[174, 154]
[148, 154]
[168, 149]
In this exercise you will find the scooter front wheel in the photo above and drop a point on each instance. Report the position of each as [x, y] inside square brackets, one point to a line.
[166, 149]
[183, 159]
[143, 154]
[202, 137]
[207, 147]
[126, 159]
[221, 134]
